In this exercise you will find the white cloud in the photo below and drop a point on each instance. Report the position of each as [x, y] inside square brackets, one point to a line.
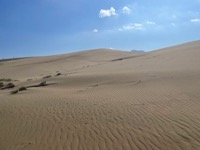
[132, 26]
[126, 10]
[150, 22]
[195, 20]
[107, 12]
[95, 30]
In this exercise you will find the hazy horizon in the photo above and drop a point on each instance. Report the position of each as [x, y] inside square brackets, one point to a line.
[19, 57]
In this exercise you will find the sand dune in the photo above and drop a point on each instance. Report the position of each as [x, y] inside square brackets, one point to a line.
[104, 100]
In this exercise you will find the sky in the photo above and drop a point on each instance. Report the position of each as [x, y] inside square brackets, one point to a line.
[48, 27]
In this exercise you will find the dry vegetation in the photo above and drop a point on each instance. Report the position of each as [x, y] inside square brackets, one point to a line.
[43, 83]
[23, 88]
[1, 84]
[58, 74]
[5, 79]
[14, 92]
[8, 86]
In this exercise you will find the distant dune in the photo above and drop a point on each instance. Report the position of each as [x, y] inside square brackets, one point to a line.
[137, 51]
[103, 100]
[10, 59]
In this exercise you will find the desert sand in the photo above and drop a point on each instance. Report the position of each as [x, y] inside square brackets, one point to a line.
[104, 100]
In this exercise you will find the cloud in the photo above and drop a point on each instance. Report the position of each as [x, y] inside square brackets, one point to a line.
[126, 10]
[195, 20]
[132, 26]
[112, 12]
[150, 23]
[95, 30]
[107, 12]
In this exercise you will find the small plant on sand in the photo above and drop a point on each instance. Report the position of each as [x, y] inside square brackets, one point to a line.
[43, 83]
[48, 76]
[14, 92]
[22, 88]
[58, 74]
[10, 85]
[6, 79]
[1, 84]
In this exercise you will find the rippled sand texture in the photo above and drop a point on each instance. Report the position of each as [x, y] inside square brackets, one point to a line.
[104, 100]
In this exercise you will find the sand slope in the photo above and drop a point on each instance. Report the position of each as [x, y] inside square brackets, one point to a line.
[104, 99]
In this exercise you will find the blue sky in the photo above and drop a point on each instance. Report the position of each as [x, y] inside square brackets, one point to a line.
[46, 27]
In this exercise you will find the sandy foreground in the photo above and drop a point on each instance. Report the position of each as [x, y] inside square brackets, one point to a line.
[104, 100]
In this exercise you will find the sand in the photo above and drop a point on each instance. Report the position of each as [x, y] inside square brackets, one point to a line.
[104, 100]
